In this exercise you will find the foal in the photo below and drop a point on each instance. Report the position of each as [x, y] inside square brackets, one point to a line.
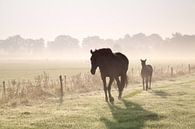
[146, 73]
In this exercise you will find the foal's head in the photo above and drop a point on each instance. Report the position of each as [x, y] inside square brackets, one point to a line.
[143, 62]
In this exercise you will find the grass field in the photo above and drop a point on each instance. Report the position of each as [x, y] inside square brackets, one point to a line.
[29, 69]
[24, 69]
[169, 105]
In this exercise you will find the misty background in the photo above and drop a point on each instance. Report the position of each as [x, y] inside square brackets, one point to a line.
[69, 48]
[68, 29]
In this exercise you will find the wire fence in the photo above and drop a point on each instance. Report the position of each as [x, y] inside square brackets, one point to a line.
[43, 87]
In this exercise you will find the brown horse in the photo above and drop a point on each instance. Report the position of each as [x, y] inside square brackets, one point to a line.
[112, 65]
[146, 73]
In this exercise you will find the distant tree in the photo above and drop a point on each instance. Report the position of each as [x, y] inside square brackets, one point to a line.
[18, 46]
[137, 45]
[93, 42]
[117, 47]
[63, 43]
[64, 46]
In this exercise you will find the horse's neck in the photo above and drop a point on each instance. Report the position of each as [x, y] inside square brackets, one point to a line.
[105, 62]
[144, 66]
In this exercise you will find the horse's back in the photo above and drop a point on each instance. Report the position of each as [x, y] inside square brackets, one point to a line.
[150, 69]
[123, 59]
[147, 71]
[113, 64]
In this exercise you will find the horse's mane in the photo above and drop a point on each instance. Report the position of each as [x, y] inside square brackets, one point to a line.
[104, 51]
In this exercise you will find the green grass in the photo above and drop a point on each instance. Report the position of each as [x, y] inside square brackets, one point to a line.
[169, 105]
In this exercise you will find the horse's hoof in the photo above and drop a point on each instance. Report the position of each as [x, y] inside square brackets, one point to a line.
[111, 99]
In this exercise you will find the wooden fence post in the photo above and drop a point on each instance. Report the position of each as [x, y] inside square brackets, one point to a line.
[189, 68]
[61, 89]
[4, 94]
[65, 82]
[171, 71]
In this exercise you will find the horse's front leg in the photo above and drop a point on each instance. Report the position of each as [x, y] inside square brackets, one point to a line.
[105, 88]
[109, 89]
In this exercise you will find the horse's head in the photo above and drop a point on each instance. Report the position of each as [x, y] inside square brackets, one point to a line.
[143, 62]
[94, 61]
[98, 56]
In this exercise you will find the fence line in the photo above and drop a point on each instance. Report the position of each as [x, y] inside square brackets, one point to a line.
[43, 85]
[61, 89]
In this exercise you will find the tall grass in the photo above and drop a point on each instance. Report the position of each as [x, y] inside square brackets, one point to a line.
[43, 87]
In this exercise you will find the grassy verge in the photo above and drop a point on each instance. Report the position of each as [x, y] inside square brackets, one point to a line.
[169, 105]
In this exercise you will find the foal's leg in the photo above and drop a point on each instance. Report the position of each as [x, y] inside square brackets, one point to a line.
[143, 83]
[146, 83]
[105, 88]
[109, 89]
[150, 82]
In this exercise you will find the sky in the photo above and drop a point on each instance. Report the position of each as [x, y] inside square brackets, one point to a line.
[105, 18]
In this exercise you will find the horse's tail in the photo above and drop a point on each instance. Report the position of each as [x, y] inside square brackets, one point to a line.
[124, 80]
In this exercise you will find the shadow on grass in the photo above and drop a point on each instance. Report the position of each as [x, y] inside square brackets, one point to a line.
[134, 93]
[161, 93]
[131, 116]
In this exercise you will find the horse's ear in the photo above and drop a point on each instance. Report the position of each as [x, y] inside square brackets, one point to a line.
[91, 51]
[145, 59]
[141, 60]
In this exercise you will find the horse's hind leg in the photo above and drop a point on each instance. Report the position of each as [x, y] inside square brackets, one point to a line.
[123, 83]
[119, 85]
[105, 88]
[109, 89]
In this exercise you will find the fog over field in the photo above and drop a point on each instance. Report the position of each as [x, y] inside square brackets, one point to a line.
[49, 78]
[65, 47]
[68, 29]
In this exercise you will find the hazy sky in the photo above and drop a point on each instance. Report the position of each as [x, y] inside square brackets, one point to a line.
[106, 18]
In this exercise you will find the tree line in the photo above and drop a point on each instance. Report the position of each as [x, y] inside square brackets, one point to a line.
[69, 47]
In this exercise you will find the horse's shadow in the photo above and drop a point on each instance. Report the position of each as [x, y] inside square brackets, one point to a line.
[161, 93]
[132, 116]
